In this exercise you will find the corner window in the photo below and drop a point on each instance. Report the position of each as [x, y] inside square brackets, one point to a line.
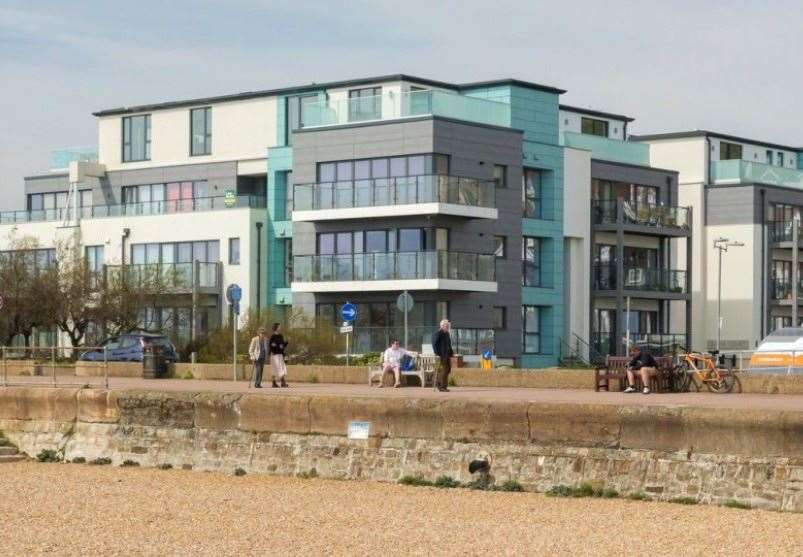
[729, 151]
[299, 107]
[780, 159]
[531, 329]
[201, 131]
[770, 157]
[531, 193]
[365, 104]
[137, 138]
[500, 175]
[592, 126]
[234, 251]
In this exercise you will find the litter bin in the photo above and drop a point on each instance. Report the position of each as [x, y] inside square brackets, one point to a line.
[154, 364]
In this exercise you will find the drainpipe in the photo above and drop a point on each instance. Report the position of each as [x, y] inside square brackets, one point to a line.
[764, 262]
[126, 234]
[259, 268]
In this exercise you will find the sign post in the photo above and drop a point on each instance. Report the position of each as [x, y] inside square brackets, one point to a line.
[405, 303]
[234, 294]
[349, 313]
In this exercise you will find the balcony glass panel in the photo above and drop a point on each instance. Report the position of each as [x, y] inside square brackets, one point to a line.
[658, 216]
[639, 278]
[737, 171]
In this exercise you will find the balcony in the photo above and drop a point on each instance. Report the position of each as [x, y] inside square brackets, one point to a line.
[169, 278]
[782, 231]
[607, 149]
[398, 106]
[641, 280]
[164, 207]
[60, 159]
[641, 218]
[739, 171]
[424, 270]
[391, 197]
[781, 290]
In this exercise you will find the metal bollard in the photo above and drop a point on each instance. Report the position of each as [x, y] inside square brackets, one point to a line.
[106, 366]
[53, 363]
[5, 367]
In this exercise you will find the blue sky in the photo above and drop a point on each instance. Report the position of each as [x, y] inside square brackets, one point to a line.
[732, 66]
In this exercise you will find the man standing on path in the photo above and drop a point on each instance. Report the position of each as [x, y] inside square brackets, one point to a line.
[442, 346]
[258, 352]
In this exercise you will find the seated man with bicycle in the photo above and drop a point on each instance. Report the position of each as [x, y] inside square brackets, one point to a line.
[643, 363]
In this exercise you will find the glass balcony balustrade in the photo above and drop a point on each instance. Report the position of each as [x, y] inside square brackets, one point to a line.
[167, 276]
[655, 216]
[410, 190]
[739, 171]
[394, 266]
[640, 278]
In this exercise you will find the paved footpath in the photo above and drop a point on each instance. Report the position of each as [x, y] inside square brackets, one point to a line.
[512, 394]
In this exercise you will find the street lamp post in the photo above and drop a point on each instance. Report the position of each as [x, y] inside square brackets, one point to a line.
[721, 244]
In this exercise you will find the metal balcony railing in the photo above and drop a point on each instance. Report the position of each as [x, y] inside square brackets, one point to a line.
[168, 276]
[394, 266]
[656, 216]
[395, 191]
[641, 278]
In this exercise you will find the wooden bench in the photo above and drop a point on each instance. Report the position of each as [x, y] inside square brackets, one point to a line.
[616, 368]
[424, 367]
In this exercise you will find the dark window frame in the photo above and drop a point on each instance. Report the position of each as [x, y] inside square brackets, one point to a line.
[730, 151]
[503, 325]
[535, 264]
[525, 333]
[594, 126]
[356, 110]
[536, 198]
[129, 141]
[207, 131]
[232, 242]
[500, 182]
[504, 247]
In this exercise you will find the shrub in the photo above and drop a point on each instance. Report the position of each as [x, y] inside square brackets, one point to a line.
[239, 472]
[166, 466]
[312, 473]
[446, 482]
[639, 496]
[414, 480]
[734, 504]
[313, 378]
[584, 489]
[609, 493]
[49, 455]
[129, 462]
[451, 382]
[684, 500]
[78, 460]
[101, 461]
[560, 490]
[482, 483]
[510, 485]
[188, 375]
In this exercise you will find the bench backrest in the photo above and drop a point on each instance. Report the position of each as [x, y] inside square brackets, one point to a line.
[620, 362]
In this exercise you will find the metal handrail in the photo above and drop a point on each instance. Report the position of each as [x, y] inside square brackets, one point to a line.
[53, 351]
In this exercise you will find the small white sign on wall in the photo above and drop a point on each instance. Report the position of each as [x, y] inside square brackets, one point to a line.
[359, 430]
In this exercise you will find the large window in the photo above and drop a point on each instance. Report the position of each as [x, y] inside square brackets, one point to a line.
[386, 167]
[288, 193]
[500, 247]
[58, 200]
[173, 196]
[365, 104]
[729, 151]
[201, 131]
[531, 329]
[500, 318]
[531, 193]
[287, 247]
[94, 262]
[531, 261]
[592, 126]
[383, 241]
[207, 251]
[137, 138]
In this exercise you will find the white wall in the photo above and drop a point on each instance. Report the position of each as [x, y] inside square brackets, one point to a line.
[177, 227]
[686, 155]
[572, 122]
[241, 130]
[576, 230]
[756, 153]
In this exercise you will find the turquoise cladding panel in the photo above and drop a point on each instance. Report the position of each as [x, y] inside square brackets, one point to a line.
[800, 160]
[536, 113]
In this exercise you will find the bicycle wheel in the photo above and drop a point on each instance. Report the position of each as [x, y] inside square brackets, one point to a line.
[679, 378]
[722, 384]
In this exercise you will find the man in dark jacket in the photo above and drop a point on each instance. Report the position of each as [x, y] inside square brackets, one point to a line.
[643, 363]
[442, 346]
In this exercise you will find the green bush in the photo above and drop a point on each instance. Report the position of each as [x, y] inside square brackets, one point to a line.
[312, 473]
[166, 466]
[609, 493]
[446, 482]
[128, 462]
[560, 490]
[684, 500]
[639, 496]
[451, 382]
[78, 460]
[734, 504]
[584, 489]
[49, 455]
[414, 480]
[510, 485]
[101, 461]
[313, 378]
[239, 472]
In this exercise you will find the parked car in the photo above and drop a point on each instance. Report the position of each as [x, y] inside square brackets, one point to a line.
[129, 347]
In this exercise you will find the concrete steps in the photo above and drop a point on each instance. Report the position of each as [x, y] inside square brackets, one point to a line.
[8, 452]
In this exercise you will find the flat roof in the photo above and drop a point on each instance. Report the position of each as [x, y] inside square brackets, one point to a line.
[318, 86]
[599, 113]
[707, 133]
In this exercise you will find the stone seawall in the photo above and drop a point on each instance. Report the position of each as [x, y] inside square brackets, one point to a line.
[713, 455]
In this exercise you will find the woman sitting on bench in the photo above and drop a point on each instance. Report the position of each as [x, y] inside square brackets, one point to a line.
[645, 364]
[392, 360]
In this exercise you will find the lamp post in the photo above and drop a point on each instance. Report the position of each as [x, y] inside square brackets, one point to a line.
[722, 244]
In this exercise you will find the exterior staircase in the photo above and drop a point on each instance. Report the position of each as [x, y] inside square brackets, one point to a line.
[8, 452]
[577, 352]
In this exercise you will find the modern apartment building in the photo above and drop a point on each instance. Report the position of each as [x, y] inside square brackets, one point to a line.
[532, 226]
[746, 191]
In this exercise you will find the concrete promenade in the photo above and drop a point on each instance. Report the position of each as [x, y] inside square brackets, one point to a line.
[481, 394]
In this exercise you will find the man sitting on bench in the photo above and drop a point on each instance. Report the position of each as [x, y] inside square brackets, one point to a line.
[645, 364]
[392, 360]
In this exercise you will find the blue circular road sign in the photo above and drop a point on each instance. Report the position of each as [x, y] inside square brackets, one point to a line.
[234, 293]
[487, 355]
[348, 312]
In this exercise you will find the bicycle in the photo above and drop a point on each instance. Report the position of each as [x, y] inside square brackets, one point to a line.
[687, 372]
